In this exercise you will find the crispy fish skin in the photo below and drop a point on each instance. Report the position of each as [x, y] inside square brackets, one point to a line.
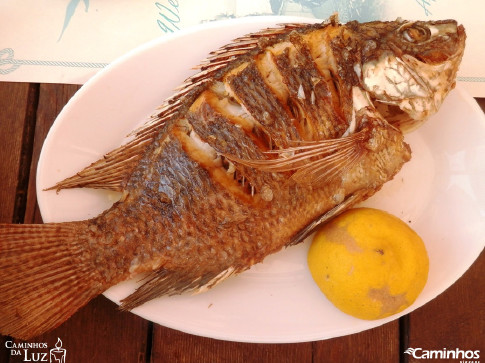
[278, 132]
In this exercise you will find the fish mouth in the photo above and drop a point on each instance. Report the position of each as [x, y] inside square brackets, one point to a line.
[395, 116]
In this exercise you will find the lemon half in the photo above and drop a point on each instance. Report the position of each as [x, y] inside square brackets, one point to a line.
[369, 263]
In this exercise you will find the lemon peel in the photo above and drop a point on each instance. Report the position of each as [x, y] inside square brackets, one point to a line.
[369, 263]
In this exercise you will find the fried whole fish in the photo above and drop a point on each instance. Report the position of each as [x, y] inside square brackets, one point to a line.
[278, 131]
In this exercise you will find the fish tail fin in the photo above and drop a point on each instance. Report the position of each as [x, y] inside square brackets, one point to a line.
[45, 277]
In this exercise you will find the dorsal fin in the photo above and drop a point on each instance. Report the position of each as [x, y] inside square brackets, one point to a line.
[114, 168]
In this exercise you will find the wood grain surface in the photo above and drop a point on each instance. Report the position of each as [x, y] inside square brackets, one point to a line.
[99, 332]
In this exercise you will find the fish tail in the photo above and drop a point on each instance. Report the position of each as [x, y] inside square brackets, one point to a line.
[45, 276]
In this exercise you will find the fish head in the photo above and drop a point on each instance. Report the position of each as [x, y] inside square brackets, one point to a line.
[408, 68]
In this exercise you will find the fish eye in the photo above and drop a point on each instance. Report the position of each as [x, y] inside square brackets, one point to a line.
[415, 33]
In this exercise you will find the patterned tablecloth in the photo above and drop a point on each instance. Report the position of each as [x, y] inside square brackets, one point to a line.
[68, 41]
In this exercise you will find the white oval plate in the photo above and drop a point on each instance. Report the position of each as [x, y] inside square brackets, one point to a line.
[440, 193]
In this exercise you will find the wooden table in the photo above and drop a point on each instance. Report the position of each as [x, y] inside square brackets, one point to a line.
[101, 333]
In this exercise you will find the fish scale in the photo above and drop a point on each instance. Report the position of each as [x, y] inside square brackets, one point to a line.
[279, 131]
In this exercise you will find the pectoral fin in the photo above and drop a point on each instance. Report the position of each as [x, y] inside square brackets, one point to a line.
[346, 204]
[314, 163]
